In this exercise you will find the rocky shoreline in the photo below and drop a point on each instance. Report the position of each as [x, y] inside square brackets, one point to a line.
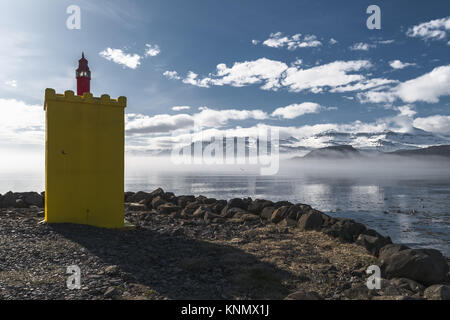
[193, 247]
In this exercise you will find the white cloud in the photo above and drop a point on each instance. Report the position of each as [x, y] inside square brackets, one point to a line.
[332, 41]
[296, 110]
[364, 85]
[277, 40]
[436, 123]
[152, 50]
[337, 76]
[161, 123]
[255, 42]
[21, 123]
[164, 123]
[397, 64]
[403, 121]
[131, 61]
[431, 30]
[361, 46]
[427, 88]
[171, 75]
[241, 74]
[385, 41]
[11, 83]
[180, 108]
[316, 79]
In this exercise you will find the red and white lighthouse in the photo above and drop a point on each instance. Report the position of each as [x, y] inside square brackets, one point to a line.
[83, 76]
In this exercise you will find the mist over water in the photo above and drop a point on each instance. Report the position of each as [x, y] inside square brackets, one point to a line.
[406, 199]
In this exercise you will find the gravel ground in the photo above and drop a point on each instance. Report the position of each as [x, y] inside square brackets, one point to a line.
[174, 258]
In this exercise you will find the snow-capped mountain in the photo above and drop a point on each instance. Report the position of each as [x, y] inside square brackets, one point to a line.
[386, 141]
[367, 142]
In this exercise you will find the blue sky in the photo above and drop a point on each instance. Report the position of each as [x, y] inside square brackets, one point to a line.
[307, 66]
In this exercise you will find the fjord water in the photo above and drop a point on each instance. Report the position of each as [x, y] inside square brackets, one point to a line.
[407, 200]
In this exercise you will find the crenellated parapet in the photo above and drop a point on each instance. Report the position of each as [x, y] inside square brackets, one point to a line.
[69, 96]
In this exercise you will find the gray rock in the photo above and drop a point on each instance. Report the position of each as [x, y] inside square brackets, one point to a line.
[168, 208]
[138, 196]
[111, 293]
[190, 208]
[112, 270]
[238, 203]
[157, 193]
[9, 200]
[345, 229]
[373, 244]
[229, 212]
[182, 201]
[426, 266]
[156, 202]
[303, 295]
[33, 199]
[136, 206]
[201, 212]
[407, 284]
[258, 205]
[279, 214]
[280, 204]
[310, 221]
[288, 222]
[128, 195]
[218, 206]
[267, 212]
[437, 292]
[391, 249]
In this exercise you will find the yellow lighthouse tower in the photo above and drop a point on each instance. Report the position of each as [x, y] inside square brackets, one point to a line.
[84, 158]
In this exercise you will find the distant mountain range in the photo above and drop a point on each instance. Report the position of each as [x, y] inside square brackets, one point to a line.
[343, 144]
[348, 152]
[386, 141]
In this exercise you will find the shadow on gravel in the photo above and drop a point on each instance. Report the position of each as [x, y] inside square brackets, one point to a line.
[179, 267]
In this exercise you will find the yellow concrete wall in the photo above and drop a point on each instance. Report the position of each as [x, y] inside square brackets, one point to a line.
[84, 165]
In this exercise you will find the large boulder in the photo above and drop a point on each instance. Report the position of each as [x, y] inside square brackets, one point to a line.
[258, 205]
[156, 202]
[229, 212]
[139, 196]
[201, 211]
[437, 292]
[373, 242]
[345, 229]
[426, 266]
[182, 201]
[296, 211]
[158, 192]
[310, 221]
[280, 204]
[238, 203]
[404, 284]
[33, 199]
[267, 212]
[190, 208]
[128, 195]
[9, 200]
[218, 206]
[168, 208]
[279, 214]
